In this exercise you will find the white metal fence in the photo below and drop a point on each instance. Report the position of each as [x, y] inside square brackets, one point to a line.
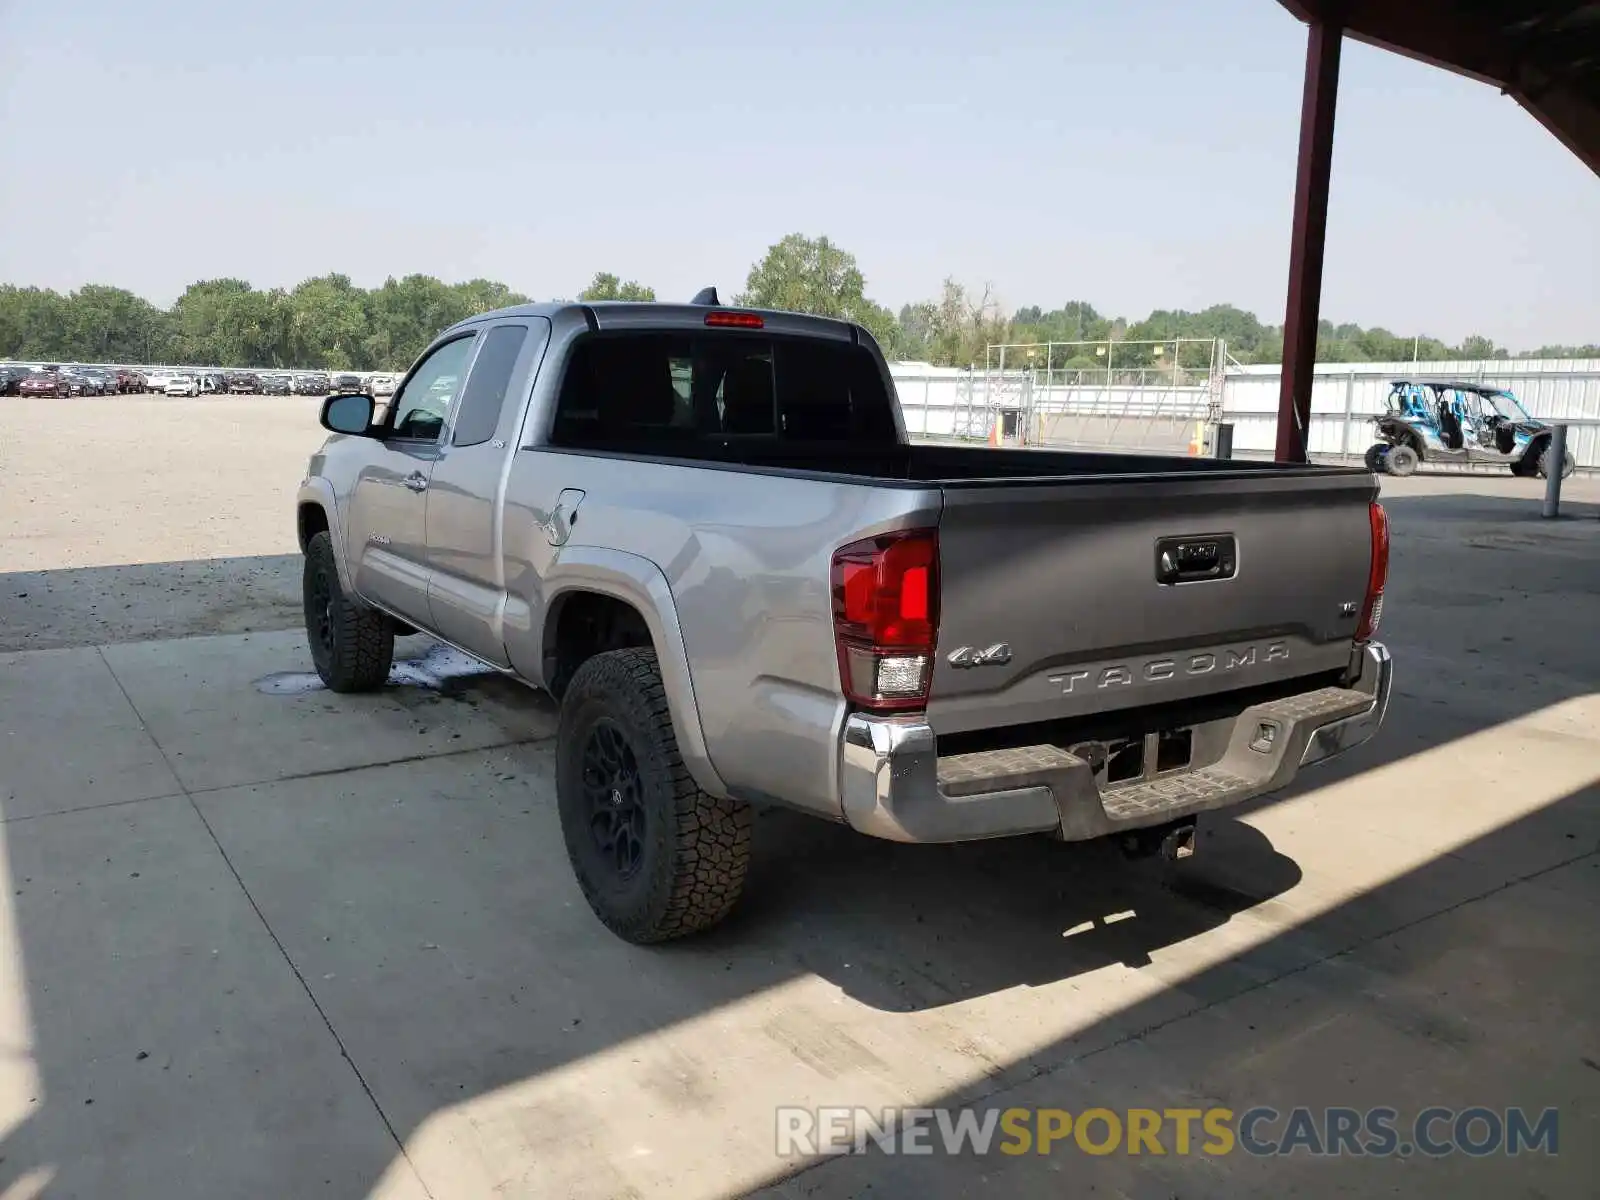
[1158, 416]
[1345, 397]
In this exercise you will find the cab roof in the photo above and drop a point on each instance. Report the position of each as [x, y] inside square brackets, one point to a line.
[641, 314]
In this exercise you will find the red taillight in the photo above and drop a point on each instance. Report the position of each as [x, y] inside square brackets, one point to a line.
[1377, 575]
[886, 618]
[736, 320]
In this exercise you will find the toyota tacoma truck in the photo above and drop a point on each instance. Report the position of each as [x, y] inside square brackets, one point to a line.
[705, 531]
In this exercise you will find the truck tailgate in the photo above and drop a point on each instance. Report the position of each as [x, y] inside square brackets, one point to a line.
[1061, 599]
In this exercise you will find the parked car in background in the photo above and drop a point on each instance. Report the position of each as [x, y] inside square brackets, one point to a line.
[316, 383]
[45, 383]
[129, 381]
[242, 383]
[347, 384]
[212, 383]
[158, 379]
[274, 385]
[182, 385]
[79, 384]
[381, 386]
[11, 378]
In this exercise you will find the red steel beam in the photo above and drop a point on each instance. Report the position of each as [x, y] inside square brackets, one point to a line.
[1310, 230]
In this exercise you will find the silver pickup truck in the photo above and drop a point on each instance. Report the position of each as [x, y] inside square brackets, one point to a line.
[705, 531]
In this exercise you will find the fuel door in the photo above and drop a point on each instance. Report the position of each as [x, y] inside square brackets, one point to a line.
[563, 516]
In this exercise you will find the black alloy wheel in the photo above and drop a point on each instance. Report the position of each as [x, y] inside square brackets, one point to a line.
[614, 794]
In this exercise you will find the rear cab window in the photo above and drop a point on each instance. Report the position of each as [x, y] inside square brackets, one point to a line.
[691, 394]
[478, 415]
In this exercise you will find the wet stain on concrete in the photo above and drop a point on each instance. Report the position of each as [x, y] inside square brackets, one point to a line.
[441, 669]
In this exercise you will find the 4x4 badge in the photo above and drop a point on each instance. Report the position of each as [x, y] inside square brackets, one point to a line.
[997, 655]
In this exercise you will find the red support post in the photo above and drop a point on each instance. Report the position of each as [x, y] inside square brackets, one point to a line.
[1323, 40]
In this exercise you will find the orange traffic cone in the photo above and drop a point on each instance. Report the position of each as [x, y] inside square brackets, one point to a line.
[1197, 443]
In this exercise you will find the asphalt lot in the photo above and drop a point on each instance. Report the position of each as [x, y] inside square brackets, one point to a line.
[260, 941]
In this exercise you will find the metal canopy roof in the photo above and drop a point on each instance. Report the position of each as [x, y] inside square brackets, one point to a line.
[1545, 54]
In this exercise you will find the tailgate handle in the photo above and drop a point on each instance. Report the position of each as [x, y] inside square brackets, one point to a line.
[1194, 559]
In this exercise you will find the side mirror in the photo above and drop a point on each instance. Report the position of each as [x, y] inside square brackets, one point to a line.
[347, 414]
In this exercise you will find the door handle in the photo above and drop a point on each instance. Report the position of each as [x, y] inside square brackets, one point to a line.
[416, 481]
[1187, 560]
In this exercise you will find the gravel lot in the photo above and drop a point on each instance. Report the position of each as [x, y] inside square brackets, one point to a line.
[109, 480]
[100, 489]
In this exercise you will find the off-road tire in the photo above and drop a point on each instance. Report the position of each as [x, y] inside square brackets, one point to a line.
[352, 645]
[1542, 467]
[1375, 456]
[1401, 461]
[694, 849]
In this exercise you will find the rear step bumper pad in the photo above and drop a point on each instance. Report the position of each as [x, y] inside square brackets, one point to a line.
[895, 786]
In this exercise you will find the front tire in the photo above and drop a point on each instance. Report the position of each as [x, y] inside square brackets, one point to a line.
[1375, 456]
[352, 646]
[655, 857]
[1568, 463]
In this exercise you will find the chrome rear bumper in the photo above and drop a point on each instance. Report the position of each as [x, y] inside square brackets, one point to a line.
[894, 785]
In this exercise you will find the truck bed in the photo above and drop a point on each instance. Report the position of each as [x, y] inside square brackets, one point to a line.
[1057, 556]
[923, 463]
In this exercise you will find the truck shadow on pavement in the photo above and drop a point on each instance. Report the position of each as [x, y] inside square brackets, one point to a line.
[1465, 982]
[906, 928]
[91, 606]
[443, 944]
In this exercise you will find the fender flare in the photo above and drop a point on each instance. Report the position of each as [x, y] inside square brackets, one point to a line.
[319, 492]
[638, 582]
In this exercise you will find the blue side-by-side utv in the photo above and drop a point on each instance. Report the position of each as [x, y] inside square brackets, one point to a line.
[1452, 422]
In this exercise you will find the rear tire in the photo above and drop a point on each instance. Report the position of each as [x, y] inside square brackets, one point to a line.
[1401, 461]
[656, 857]
[1375, 456]
[352, 646]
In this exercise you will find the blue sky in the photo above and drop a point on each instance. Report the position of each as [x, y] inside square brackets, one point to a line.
[1137, 154]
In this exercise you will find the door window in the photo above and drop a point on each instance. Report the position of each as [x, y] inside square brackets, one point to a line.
[422, 404]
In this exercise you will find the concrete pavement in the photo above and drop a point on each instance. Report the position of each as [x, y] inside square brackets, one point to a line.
[257, 944]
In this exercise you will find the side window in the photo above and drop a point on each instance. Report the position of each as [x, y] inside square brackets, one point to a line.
[486, 386]
[421, 405]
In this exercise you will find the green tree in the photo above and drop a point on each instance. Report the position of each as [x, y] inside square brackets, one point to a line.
[1478, 346]
[404, 315]
[961, 327]
[107, 324]
[486, 295]
[329, 323]
[812, 275]
[606, 286]
[33, 323]
[917, 323]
